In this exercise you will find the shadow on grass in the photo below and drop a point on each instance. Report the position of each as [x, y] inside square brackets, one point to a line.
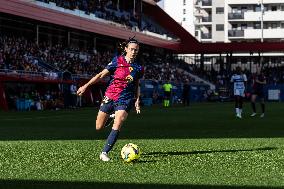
[205, 152]
[31, 184]
[177, 123]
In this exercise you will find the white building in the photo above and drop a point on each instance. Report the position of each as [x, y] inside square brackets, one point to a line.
[181, 11]
[229, 20]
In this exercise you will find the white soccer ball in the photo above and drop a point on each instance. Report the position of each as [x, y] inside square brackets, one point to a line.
[130, 152]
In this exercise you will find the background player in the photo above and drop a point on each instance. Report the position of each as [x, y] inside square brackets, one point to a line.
[239, 79]
[258, 91]
[123, 87]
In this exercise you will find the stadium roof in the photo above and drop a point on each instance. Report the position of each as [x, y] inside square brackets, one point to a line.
[186, 44]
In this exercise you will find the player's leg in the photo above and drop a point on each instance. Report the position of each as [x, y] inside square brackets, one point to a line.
[165, 100]
[121, 113]
[236, 94]
[106, 109]
[253, 98]
[101, 120]
[241, 97]
[262, 106]
[120, 117]
[237, 104]
[240, 106]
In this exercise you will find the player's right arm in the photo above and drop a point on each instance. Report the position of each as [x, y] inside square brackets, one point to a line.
[92, 81]
[232, 79]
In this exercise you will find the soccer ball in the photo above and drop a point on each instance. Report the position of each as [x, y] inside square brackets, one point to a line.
[130, 152]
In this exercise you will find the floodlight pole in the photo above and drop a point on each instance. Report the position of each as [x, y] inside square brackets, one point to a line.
[262, 13]
[37, 34]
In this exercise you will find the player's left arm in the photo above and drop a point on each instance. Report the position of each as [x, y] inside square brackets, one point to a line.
[137, 96]
[261, 82]
[245, 81]
[264, 80]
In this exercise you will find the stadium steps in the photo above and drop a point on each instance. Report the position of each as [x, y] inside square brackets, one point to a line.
[199, 79]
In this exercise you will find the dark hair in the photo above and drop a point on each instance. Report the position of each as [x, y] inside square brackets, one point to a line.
[238, 69]
[122, 45]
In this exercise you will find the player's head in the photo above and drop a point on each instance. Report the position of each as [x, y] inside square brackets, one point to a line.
[132, 48]
[129, 48]
[258, 71]
[238, 70]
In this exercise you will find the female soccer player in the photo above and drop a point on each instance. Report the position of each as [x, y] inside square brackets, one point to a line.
[239, 79]
[258, 91]
[119, 96]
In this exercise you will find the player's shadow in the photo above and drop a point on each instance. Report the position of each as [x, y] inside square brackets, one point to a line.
[179, 153]
[38, 184]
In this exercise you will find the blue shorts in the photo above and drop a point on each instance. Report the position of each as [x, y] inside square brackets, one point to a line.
[109, 106]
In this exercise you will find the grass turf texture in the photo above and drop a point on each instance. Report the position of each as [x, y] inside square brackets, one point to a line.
[201, 146]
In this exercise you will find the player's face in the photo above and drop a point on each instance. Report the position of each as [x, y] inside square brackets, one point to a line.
[132, 50]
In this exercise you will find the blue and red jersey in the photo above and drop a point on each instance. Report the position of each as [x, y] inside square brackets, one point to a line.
[258, 86]
[123, 79]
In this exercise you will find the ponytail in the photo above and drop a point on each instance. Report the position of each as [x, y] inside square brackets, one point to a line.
[121, 46]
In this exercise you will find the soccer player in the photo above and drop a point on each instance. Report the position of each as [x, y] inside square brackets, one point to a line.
[258, 91]
[120, 93]
[239, 79]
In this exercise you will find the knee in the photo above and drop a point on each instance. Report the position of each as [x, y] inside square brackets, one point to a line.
[99, 125]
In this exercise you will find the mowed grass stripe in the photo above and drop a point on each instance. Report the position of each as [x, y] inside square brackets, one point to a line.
[201, 145]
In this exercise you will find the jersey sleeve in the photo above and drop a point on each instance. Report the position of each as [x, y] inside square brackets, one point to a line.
[111, 67]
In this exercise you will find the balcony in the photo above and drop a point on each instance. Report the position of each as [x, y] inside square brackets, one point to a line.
[235, 16]
[236, 33]
[272, 33]
[206, 36]
[207, 19]
[252, 2]
[268, 16]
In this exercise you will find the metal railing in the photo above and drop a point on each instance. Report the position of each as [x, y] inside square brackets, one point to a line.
[206, 3]
[30, 74]
[236, 33]
[234, 16]
[207, 19]
[206, 36]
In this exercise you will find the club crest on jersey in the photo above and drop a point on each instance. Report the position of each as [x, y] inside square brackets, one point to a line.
[129, 78]
[130, 69]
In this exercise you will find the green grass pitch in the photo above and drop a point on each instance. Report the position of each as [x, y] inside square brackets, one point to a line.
[200, 146]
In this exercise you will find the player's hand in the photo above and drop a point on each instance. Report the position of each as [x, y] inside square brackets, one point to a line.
[137, 106]
[81, 90]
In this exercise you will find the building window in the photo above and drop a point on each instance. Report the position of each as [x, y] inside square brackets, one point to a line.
[282, 25]
[219, 27]
[244, 9]
[234, 26]
[184, 19]
[235, 10]
[184, 2]
[184, 11]
[196, 33]
[257, 8]
[219, 10]
[273, 25]
[244, 26]
[274, 8]
[256, 26]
